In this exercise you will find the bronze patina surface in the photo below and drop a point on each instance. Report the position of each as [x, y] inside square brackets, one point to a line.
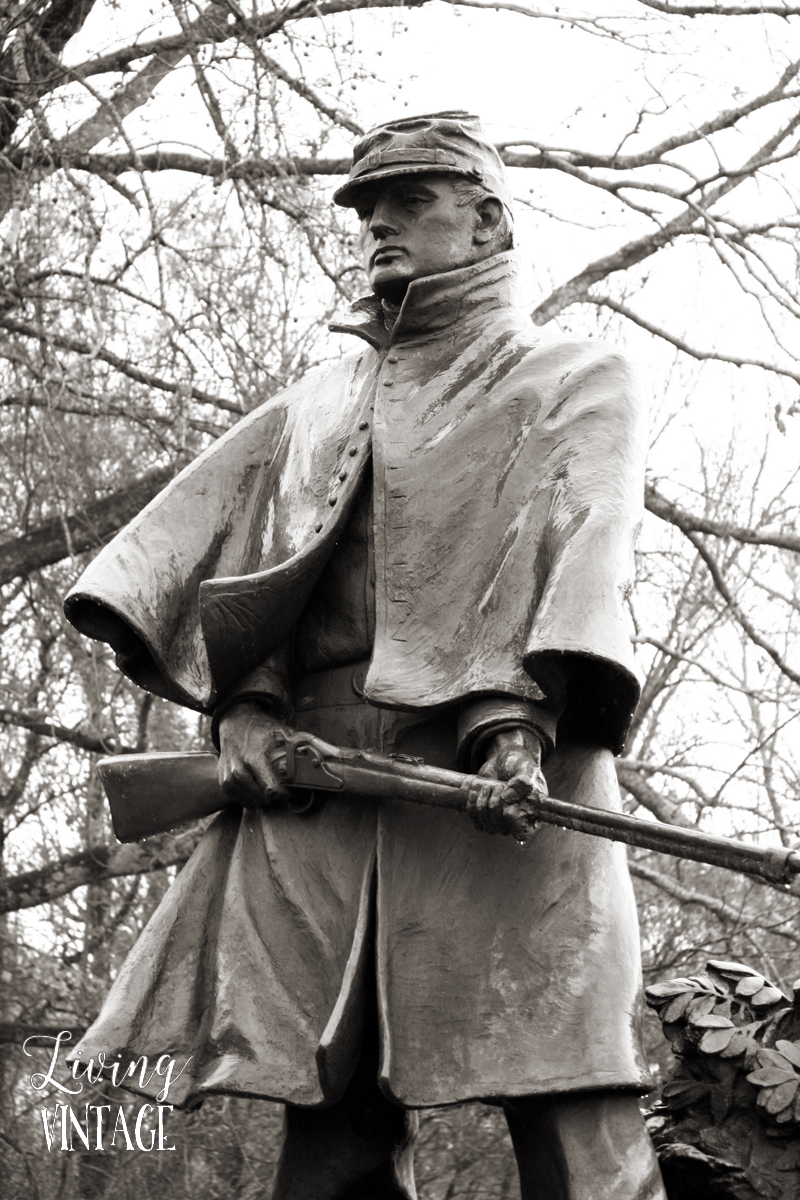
[424, 548]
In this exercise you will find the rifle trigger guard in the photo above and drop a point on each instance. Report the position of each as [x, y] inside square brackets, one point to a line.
[304, 765]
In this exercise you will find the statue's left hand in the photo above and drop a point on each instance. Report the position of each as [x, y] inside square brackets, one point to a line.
[246, 735]
[515, 759]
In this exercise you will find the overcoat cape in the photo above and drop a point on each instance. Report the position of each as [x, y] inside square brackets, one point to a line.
[507, 475]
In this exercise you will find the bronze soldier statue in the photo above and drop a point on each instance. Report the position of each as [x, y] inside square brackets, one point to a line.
[423, 548]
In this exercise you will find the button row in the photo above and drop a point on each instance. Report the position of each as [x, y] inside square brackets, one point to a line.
[342, 476]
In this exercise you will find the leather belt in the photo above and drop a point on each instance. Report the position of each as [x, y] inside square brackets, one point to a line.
[334, 688]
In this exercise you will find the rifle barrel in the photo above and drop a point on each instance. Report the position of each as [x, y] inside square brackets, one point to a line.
[434, 785]
[150, 793]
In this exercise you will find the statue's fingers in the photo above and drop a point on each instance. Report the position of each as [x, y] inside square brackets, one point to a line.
[269, 785]
[518, 824]
[225, 776]
[539, 783]
[518, 788]
[236, 793]
[489, 808]
[471, 788]
[474, 792]
[517, 820]
[240, 785]
[502, 797]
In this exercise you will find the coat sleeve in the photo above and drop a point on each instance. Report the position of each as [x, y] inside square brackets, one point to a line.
[268, 685]
[596, 439]
[480, 718]
[141, 593]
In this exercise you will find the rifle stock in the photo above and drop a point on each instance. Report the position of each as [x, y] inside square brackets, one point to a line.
[151, 793]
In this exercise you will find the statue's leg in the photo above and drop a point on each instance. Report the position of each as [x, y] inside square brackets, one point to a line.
[339, 1153]
[583, 1146]
[361, 1148]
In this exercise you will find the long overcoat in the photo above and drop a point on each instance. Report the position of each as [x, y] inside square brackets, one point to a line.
[507, 475]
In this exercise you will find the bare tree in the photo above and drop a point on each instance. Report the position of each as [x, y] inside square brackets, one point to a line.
[169, 260]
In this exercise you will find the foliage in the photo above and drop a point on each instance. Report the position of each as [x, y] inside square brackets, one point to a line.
[727, 1123]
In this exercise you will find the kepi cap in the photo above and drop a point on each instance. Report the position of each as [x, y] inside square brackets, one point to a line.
[449, 142]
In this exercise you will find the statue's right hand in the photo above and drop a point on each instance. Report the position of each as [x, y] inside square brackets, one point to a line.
[246, 735]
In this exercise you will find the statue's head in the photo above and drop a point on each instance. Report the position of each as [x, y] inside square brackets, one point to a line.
[431, 194]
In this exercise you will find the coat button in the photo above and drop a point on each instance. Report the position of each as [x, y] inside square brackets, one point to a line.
[318, 527]
[388, 383]
[392, 358]
[363, 425]
[353, 451]
[332, 501]
[343, 475]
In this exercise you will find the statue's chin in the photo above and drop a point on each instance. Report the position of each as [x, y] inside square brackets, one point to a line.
[391, 290]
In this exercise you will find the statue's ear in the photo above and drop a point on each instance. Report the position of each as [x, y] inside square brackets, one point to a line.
[488, 215]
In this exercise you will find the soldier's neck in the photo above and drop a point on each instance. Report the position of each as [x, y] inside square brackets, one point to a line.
[434, 303]
[390, 313]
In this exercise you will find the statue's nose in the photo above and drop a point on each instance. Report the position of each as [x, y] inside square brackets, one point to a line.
[384, 221]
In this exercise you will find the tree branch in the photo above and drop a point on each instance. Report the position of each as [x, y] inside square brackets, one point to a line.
[680, 773]
[74, 737]
[666, 510]
[94, 866]
[696, 214]
[726, 913]
[646, 795]
[718, 10]
[18, 1031]
[40, 36]
[179, 160]
[98, 407]
[88, 528]
[39, 333]
[16, 789]
[744, 621]
[655, 154]
[107, 120]
[213, 28]
[680, 344]
[679, 656]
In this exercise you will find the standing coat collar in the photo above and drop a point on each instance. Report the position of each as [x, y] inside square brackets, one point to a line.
[436, 302]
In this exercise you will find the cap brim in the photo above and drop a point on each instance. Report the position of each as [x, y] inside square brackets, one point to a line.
[345, 195]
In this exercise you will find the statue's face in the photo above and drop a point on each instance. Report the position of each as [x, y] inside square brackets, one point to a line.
[412, 225]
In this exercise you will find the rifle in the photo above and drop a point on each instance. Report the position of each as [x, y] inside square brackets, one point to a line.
[150, 793]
